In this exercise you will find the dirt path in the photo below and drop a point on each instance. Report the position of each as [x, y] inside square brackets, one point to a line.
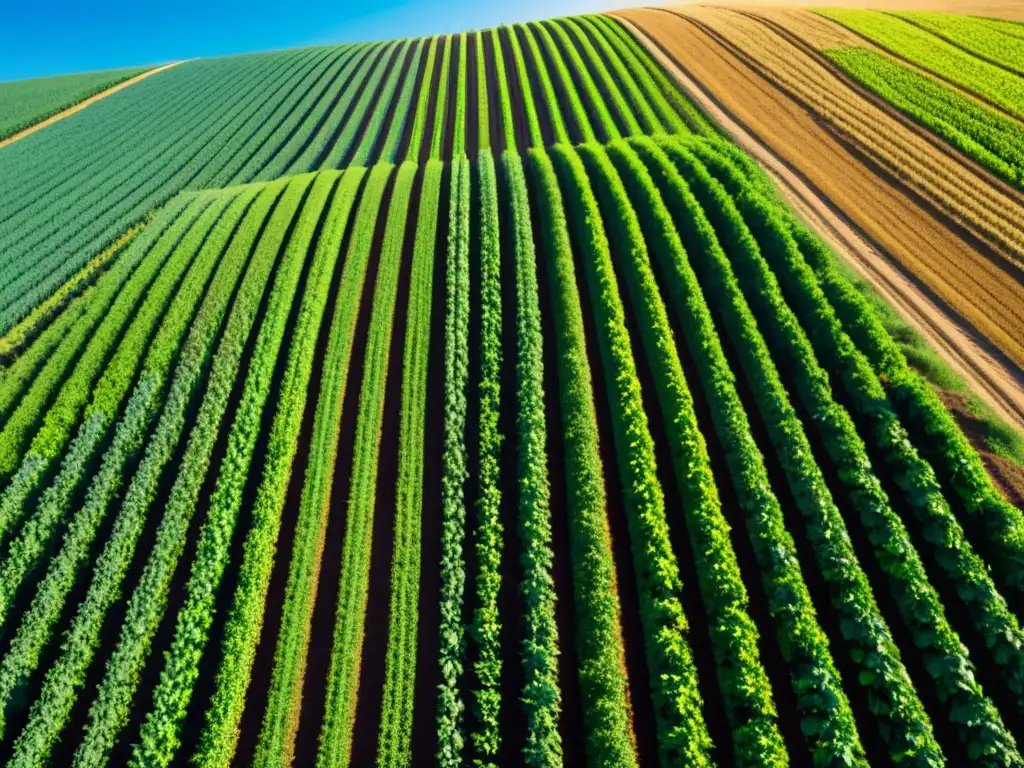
[83, 104]
[999, 384]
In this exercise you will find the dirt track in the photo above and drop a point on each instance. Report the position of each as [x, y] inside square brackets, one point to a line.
[83, 104]
[858, 213]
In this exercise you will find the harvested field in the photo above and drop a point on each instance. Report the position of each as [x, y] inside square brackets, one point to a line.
[983, 291]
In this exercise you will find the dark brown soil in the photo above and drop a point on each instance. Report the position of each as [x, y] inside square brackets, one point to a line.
[435, 81]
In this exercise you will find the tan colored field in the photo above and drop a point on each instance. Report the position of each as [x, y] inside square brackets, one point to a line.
[907, 215]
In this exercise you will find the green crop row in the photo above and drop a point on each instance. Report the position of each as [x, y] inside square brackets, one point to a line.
[539, 35]
[985, 38]
[112, 705]
[504, 96]
[637, 107]
[607, 736]
[554, 110]
[305, 147]
[383, 107]
[983, 134]
[441, 102]
[980, 725]
[826, 719]
[991, 82]
[529, 104]
[322, 142]
[450, 706]
[461, 87]
[577, 38]
[245, 619]
[52, 507]
[866, 636]
[394, 748]
[341, 152]
[347, 650]
[51, 709]
[953, 555]
[742, 679]
[419, 123]
[541, 695]
[488, 531]
[483, 116]
[159, 740]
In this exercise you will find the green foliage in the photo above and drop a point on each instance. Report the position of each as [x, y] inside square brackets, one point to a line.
[554, 109]
[733, 636]
[461, 87]
[382, 110]
[389, 150]
[51, 709]
[541, 695]
[918, 603]
[347, 650]
[505, 99]
[867, 639]
[591, 61]
[983, 134]
[419, 124]
[611, 50]
[483, 118]
[394, 748]
[441, 102]
[27, 102]
[991, 82]
[985, 38]
[159, 741]
[599, 646]
[488, 532]
[245, 620]
[826, 719]
[345, 151]
[450, 706]
[579, 114]
[530, 105]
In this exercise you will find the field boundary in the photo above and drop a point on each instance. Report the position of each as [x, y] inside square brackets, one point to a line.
[83, 104]
[953, 338]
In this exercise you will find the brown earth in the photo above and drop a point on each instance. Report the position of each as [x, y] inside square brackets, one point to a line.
[83, 104]
[999, 9]
[913, 259]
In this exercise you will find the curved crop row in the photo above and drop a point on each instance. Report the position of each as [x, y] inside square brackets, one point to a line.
[450, 706]
[159, 739]
[608, 737]
[347, 650]
[52, 508]
[980, 725]
[541, 695]
[384, 108]
[866, 637]
[394, 749]
[826, 719]
[488, 531]
[245, 619]
[50, 711]
[733, 635]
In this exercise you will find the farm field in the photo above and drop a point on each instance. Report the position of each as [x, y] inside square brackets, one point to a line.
[476, 400]
[898, 172]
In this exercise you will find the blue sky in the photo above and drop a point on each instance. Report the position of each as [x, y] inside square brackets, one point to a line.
[46, 37]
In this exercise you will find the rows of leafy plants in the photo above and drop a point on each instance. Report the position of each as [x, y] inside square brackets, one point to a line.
[826, 718]
[65, 678]
[604, 688]
[395, 738]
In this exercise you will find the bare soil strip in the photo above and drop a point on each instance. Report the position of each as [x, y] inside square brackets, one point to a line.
[866, 240]
[83, 104]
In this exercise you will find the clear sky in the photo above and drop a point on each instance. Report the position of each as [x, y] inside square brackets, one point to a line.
[48, 37]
